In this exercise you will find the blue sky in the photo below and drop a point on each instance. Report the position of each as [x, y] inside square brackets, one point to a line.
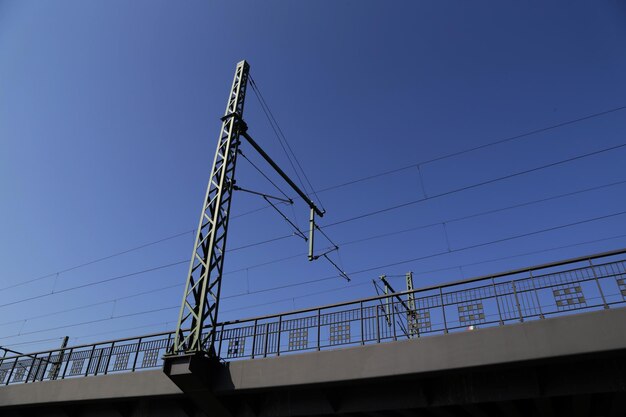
[109, 115]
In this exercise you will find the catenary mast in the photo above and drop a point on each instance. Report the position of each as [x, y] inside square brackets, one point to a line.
[202, 289]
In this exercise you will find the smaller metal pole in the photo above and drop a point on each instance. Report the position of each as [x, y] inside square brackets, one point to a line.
[280, 323]
[311, 234]
[519, 309]
[598, 284]
[136, 354]
[319, 327]
[59, 363]
[532, 281]
[495, 293]
[443, 311]
[253, 338]
[361, 317]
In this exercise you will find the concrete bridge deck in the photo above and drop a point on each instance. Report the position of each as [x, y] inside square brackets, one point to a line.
[557, 366]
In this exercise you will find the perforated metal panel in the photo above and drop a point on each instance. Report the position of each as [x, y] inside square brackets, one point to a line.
[419, 321]
[339, 333]
[150, 358]
[20, 372]
[298, 339]
[121, 361]
[568, 297]
[471, 313]
[77, 367]
[98, 361]
[236, 347]
[40, 371]
[621, 283]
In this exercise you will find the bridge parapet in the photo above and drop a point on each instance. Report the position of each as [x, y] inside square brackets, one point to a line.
[593, 282]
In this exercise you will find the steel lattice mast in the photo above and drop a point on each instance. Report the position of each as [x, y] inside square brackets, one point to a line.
[412, 322]
[202, 290]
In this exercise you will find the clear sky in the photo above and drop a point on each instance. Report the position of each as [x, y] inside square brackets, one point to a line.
[109, 115]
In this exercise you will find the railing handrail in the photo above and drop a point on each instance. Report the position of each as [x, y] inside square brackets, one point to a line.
[345, 303]
[74, 347]
[437, 286]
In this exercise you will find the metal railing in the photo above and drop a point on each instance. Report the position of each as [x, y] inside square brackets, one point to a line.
[588, 283]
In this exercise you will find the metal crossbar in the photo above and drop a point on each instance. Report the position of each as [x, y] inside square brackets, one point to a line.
[588, 283]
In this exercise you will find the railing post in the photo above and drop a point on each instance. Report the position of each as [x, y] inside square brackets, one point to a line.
[593, 269]
[280, 323]
[519, 309]
[319, 327]
[12, 369]
[495, 293]
[30, 369]
[106, 368]
[67, 364]
[267, 339]
[100, 354]
[219, 345]
[36, 370]
[93, 349]
[167, 344]
[43, 374]
[443, 311]
[136, 354]
[393, 320]
[361, 317]
[377, 326]
[254, 338]
[532, 281]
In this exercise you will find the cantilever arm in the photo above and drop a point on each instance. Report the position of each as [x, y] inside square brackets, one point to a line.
[280, 172]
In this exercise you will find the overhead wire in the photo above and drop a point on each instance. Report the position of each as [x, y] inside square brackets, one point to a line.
[476, 185]
[482, 213]
[278, 130]
[446, 252]
[475, 148]
[81, 265]
[92, 304]
[346, 287]
[83, 323]
[279, 133]
[265, 111]
[549, 229]
[347, 243]
[90, 284]
[366, 178]
[345, 220]
[131, 274]
[264, 175]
